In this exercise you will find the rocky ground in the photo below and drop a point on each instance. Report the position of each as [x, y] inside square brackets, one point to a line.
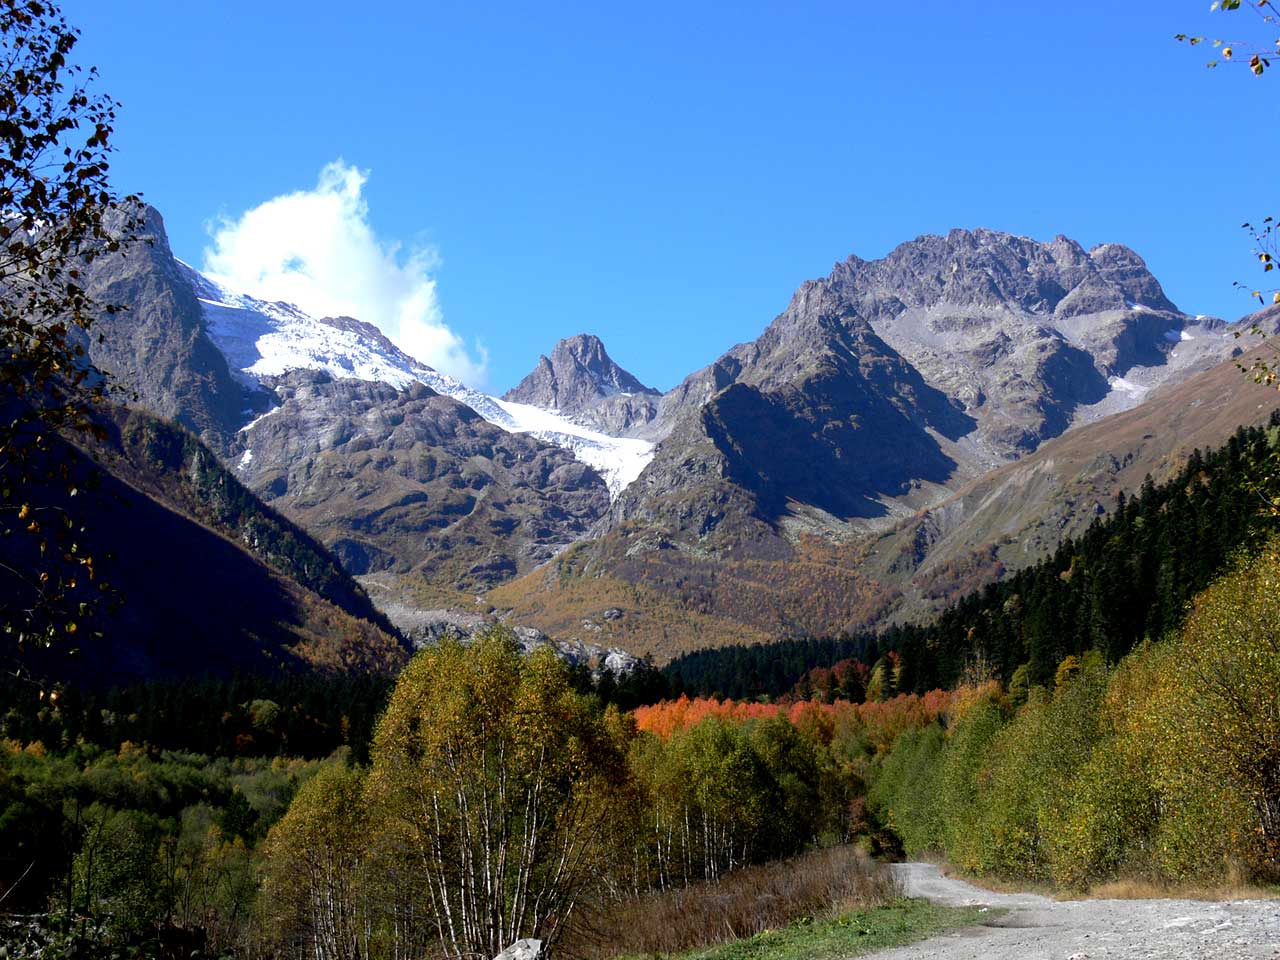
[1035, 927]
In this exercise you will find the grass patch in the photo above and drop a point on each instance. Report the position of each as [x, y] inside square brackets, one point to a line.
[830, 903]
[863, 931]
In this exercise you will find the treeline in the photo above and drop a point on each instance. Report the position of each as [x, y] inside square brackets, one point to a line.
[247, 715]
[1129, 577]
[1161, 768]
[644, 683]
[762, 670]
[302, 715]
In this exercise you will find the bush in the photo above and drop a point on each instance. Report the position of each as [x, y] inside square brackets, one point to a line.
[1107, 820]
[742, 904]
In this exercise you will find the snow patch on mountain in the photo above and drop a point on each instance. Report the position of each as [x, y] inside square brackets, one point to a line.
[618, 459]
[262, 339]
[1126, 386]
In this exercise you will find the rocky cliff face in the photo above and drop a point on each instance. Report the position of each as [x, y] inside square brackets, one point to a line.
[580, 380]
[878, 393]
[410, 483]
[156, 347]
[821, 412]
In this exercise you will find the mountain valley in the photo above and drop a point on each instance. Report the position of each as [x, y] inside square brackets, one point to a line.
[905, 430]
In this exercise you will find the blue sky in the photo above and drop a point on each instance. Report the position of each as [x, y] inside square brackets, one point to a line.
[665, 174]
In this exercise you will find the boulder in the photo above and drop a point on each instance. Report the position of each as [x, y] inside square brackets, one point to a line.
[526, 949]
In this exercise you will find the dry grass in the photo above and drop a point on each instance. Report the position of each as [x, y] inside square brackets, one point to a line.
[814, 886]
[1235, 886]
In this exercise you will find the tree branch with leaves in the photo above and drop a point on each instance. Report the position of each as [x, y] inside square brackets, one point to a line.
[58, 213]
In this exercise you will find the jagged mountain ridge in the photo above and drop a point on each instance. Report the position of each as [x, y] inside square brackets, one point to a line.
[881, 391]
[1031, 337]
[986, 344]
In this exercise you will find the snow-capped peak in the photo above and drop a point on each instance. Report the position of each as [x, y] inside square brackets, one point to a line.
[262, 339]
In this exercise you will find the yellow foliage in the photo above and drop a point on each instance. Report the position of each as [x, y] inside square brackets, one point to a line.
[1217, 718]
[1165, 767]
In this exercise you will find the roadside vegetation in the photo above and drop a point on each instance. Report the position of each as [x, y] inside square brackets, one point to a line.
[1158, 769]
[486, 796]
[845, 934]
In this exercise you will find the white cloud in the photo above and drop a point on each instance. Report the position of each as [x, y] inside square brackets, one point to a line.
[316, 249]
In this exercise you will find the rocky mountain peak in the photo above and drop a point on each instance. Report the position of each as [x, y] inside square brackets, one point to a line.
[989, 269]
[578, 374]
[1124, 269]
[1030, 336]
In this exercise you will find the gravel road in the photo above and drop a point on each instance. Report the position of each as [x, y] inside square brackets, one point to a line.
[1037, 928]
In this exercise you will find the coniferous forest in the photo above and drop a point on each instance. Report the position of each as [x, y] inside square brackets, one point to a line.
[1128, 578]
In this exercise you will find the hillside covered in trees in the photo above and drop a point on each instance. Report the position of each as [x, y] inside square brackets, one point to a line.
[1128, 578]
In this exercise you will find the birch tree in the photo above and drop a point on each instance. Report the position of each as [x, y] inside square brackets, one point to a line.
[317, 873]
[497, 780]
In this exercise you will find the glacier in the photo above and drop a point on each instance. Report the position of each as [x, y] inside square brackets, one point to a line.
[261, 339]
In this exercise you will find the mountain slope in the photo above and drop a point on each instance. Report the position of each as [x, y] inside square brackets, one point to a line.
[171, 466]
[195, 597]
[889, 384]
[415, 486]
[672, 600]
[529, 481]
[787, 493]
[1018, 514]
[805, 482]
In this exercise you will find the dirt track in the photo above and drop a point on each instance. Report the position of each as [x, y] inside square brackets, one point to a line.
[1037, 928]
